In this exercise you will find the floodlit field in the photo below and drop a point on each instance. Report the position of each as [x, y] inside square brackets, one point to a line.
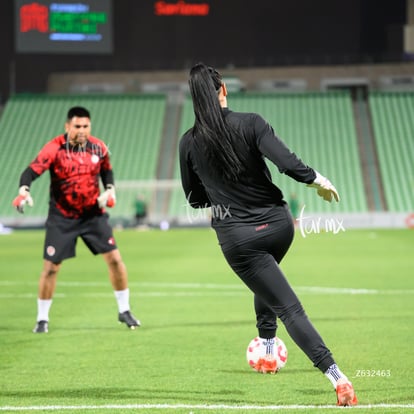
[197, 319]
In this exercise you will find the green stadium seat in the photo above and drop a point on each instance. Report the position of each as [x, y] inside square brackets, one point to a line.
[392, 118]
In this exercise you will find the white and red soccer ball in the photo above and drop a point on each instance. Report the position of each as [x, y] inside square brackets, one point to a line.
[261, 361]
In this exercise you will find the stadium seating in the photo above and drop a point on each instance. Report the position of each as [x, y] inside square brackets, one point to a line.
[319, 126]
[392, 118]
[178, 206]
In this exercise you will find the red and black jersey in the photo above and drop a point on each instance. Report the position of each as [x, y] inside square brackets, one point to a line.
[74, 173]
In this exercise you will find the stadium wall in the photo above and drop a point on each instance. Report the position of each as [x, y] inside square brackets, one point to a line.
[314, 77]
[322, 223]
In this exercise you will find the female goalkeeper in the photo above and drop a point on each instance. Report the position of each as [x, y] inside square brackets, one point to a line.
[222, 167]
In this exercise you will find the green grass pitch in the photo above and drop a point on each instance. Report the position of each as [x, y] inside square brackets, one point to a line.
[197, 319]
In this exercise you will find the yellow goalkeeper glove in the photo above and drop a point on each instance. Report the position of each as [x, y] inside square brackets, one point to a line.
[325, 188]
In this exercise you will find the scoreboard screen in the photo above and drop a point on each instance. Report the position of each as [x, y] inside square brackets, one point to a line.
[63, 26]
[170, 34]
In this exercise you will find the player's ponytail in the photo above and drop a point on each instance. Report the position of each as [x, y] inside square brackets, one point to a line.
[211, 132]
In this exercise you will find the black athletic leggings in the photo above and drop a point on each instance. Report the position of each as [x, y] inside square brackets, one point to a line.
[254, 253]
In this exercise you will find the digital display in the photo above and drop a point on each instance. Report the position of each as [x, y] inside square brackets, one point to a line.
[56, 26]
[181, 8]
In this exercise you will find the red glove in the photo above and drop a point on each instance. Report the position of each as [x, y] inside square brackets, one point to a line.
[107, 198]
[22, 199]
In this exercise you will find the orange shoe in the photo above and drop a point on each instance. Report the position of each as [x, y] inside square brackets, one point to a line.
[266, 365]
[345, 393]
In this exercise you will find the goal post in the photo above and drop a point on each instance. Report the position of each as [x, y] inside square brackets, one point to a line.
[165, 202]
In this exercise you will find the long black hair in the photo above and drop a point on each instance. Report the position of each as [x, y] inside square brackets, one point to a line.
[210, 127]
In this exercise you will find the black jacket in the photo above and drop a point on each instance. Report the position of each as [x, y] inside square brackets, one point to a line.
[253, 197]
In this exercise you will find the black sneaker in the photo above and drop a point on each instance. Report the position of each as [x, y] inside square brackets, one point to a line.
[129, 319]
[41, 327]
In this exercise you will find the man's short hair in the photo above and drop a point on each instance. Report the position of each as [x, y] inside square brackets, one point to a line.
[79, 112]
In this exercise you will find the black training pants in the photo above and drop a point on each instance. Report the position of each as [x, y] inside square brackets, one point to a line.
[254, 253]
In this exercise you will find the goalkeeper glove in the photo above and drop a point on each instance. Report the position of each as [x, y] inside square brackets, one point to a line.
[107, 198]
[325, 188]
[22, 199]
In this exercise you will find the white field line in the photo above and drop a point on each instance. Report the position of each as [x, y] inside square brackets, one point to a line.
[221, 407]
[197, 289]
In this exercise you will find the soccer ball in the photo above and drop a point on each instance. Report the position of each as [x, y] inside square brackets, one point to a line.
[261, 360]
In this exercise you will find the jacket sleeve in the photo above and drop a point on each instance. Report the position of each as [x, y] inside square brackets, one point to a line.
[27, 177]
[39, 165]
[194, 190]
[107, 177]
[276, 151]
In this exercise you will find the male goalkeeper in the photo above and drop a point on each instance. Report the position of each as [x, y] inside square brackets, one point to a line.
[76, 160]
